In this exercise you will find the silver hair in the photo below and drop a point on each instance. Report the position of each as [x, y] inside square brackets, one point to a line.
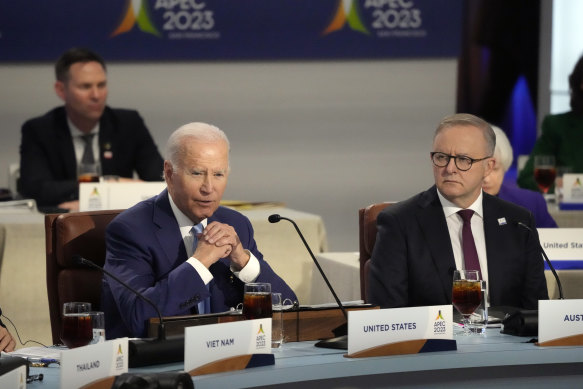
[466, 119]
[503, 151]
[197, 131]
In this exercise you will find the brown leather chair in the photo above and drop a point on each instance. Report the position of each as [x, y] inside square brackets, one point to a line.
[367, 232]
[67, 235]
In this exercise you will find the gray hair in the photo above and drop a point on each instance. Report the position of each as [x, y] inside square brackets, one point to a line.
[466, 119]
[503, 151]
[197, 131]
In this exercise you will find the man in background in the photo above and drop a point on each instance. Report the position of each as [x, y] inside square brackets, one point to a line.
[180, 248]
[420, 241]
[84, 129]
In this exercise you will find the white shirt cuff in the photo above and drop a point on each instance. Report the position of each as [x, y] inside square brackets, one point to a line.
[201, 269]
[251, 270]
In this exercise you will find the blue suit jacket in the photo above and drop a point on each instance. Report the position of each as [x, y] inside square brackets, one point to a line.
[531, 200]
[412, 261]
[146, 250]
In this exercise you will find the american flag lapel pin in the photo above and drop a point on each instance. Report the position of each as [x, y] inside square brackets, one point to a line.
[502, 221]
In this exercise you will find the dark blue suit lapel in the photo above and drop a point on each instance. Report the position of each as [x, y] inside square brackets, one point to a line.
[167, 232]
[432, 222]
[64, 144]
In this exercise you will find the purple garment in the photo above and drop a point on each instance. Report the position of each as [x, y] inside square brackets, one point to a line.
[531, 200]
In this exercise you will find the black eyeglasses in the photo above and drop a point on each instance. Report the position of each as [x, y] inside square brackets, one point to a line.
[462, 162]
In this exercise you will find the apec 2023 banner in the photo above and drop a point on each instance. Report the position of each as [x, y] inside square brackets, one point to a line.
[230, 29]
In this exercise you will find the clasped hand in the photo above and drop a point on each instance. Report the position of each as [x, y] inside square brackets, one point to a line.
[217, 241]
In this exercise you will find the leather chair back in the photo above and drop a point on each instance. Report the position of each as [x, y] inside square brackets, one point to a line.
[68, 235]
[367, 231]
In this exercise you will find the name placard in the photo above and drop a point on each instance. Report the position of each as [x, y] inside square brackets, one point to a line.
[15, 378]
[227, 346]
[560, 322]
[400, 331]
[95, 196]
[564, 246]
[94, 363]
[573, 188]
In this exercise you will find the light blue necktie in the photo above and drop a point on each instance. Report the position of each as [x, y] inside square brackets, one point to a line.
[205, 305]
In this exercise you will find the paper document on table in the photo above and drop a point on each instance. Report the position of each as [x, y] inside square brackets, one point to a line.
[37, 352]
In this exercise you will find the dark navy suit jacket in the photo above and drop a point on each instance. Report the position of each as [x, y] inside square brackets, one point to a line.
[531, 200]
[48, 167]
[412, 262]
[146, 250]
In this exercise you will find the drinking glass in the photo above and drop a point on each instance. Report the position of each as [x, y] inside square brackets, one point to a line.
[466, 294]
[544, 172]
[98, 326]
[88, 172]
[76, 328]
[257, 301]
[277, 321]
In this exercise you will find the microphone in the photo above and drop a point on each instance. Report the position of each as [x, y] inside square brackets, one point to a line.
[144, 352]
[561, 297]
[340, 341]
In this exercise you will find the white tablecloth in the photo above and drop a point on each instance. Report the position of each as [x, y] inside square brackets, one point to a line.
[342, 270]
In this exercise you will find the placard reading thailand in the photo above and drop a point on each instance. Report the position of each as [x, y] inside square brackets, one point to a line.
[209, 345]
[375, 332]
[560, 322]
[83, 365]
[563, 246]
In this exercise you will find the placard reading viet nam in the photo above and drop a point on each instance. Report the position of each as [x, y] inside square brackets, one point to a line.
[220, 347]
[400, 331]
[560, 322]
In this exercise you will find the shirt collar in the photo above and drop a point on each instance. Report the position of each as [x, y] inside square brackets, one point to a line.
[76, 132]
[450, 208]
[184, 222]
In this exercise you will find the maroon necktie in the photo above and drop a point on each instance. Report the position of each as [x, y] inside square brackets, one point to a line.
[468, 245]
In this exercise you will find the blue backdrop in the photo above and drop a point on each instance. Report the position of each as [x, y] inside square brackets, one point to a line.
[230, 29]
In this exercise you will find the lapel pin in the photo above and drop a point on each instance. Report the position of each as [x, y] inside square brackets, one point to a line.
[502, 221]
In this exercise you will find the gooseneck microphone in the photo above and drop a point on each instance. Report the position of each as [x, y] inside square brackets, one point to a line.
[561, 297]
[339, 342]
[144, 352]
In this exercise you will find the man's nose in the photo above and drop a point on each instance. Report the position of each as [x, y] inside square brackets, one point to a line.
[451, 166]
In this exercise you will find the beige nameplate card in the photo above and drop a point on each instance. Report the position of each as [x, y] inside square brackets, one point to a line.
[116, 195]
[15, 378]
[400, 331]
[573, 188]
[94, 364]
[560, 322]
[222, 347]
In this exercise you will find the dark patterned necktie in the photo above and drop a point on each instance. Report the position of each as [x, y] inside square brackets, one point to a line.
[88, 157]
[468, 245]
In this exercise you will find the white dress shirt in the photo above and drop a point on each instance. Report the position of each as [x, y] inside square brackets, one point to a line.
[455, 224]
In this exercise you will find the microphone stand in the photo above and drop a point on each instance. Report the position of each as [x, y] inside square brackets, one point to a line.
[341, 339]
[144, 352]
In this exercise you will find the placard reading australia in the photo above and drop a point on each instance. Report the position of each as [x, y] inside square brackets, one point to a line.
[231, 30]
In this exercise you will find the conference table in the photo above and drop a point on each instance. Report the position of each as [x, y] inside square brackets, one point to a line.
[480, 361]
[23, 292]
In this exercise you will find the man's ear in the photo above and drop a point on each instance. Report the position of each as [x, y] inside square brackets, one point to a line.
[60, 89]
[490, 163]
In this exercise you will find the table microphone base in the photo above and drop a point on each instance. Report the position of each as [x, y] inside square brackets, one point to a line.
[339, 343]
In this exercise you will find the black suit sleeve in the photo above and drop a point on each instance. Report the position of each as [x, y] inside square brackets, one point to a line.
[535, 284]
[40, 178]
[388, 284]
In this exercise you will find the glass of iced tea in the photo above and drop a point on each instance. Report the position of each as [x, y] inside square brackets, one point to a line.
[77, 329]
[466, 294]
[545, 172]
[88, 172]
[257, 301]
